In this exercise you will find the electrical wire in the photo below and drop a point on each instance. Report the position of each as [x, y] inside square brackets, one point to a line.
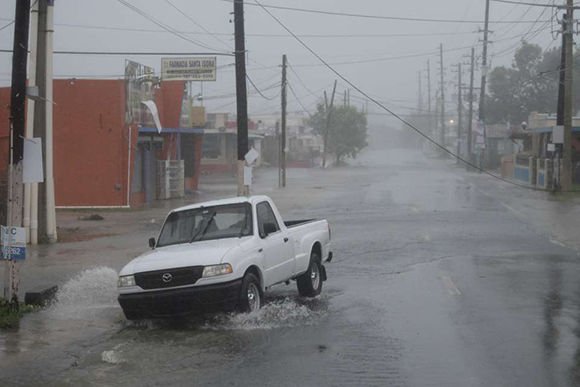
[258, 90]
[529, 4]
[298, 99]
[228, 46]
[136, 53]
[6, 25]
[163, 25]
[260, 35]
[393, 114]
[379, 17]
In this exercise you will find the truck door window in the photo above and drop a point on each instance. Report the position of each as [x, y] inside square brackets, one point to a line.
[266, 215]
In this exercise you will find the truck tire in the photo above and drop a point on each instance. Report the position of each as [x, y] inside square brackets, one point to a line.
[251, 294]
[310, 283]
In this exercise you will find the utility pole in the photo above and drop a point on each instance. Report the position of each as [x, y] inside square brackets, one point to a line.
[568, 95]
[470, 129]
[43, 213]
[483, 80]
[283, 121]
[51, 234]
[429, 116]
[459, 111]
[420, 94]
[327, 128]
[17, 126]
[28, 224]
[241, 94]
[442, 132]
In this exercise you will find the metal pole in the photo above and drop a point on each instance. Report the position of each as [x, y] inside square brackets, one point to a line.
[241, 93]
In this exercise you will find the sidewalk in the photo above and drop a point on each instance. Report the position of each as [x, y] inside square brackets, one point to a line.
[555, 215]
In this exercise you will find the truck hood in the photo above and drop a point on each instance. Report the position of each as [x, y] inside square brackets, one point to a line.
[183, 255]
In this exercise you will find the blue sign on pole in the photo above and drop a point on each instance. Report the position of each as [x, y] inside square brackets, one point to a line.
[16, 253]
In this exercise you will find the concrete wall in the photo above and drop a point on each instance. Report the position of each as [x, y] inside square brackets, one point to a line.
[91, 143]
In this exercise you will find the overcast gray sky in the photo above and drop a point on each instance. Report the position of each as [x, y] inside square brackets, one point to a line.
[381, 56]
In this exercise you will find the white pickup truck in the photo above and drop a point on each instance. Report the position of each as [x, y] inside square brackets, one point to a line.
[223, 255]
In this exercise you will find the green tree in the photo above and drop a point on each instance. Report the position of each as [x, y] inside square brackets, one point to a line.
[530, 84]
[347, 130]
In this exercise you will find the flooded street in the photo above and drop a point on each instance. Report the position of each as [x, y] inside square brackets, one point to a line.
[440, 277]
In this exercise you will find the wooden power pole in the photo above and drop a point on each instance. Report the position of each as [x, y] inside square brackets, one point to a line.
[470, 123]
[442, 119]
[566, 180]
[17, 126]
[283, 123]
[241, 94]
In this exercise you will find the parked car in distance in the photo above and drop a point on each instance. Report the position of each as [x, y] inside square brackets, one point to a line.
[222, 256]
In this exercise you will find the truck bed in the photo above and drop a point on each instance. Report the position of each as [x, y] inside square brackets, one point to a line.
[294, 223]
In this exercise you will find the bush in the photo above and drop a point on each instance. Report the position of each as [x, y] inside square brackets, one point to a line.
[10, 314]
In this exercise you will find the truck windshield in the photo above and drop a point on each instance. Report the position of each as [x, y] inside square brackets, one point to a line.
[205, 223]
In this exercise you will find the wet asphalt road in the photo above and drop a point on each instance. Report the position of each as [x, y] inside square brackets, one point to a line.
[437, 281]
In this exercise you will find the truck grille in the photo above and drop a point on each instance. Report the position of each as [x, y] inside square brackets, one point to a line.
[169, 278]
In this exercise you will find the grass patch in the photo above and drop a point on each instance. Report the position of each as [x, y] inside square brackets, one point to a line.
[11, 314]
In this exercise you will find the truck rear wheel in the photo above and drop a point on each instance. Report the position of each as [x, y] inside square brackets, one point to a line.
[310, 283]
[251, 295]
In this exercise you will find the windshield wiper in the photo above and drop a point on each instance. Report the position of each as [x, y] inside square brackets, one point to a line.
[201, 231]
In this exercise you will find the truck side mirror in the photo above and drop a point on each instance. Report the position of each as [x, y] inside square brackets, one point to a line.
[152, 243]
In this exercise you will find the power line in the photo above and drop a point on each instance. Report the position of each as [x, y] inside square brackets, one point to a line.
[162, 25]
[379, 17]
[135, 53]
[7, 25]
[258, 90]
[258, 35]
[529, 4]
[401, 119]
[298, 99]
[228, 46]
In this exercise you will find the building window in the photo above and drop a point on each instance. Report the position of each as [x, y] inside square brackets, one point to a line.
[211, 148]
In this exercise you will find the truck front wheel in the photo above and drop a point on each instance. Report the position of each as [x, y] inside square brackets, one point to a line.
[251, 295]
[310, 283]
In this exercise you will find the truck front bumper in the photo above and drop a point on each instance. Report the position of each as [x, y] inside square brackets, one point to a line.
[181, 302]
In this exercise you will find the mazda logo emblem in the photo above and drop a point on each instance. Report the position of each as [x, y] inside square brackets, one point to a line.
[167, 277]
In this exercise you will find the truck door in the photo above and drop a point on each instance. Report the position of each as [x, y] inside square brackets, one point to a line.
[277, 248]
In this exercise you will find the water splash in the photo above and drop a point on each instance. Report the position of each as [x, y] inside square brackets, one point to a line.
[86, 294]
[280, 313]
[113, 356]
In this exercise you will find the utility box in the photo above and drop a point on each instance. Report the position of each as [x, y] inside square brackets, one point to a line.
[170, 179]
[558, 134]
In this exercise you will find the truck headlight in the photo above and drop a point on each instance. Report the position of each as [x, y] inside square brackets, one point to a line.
[126, 280]
[213, 270]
